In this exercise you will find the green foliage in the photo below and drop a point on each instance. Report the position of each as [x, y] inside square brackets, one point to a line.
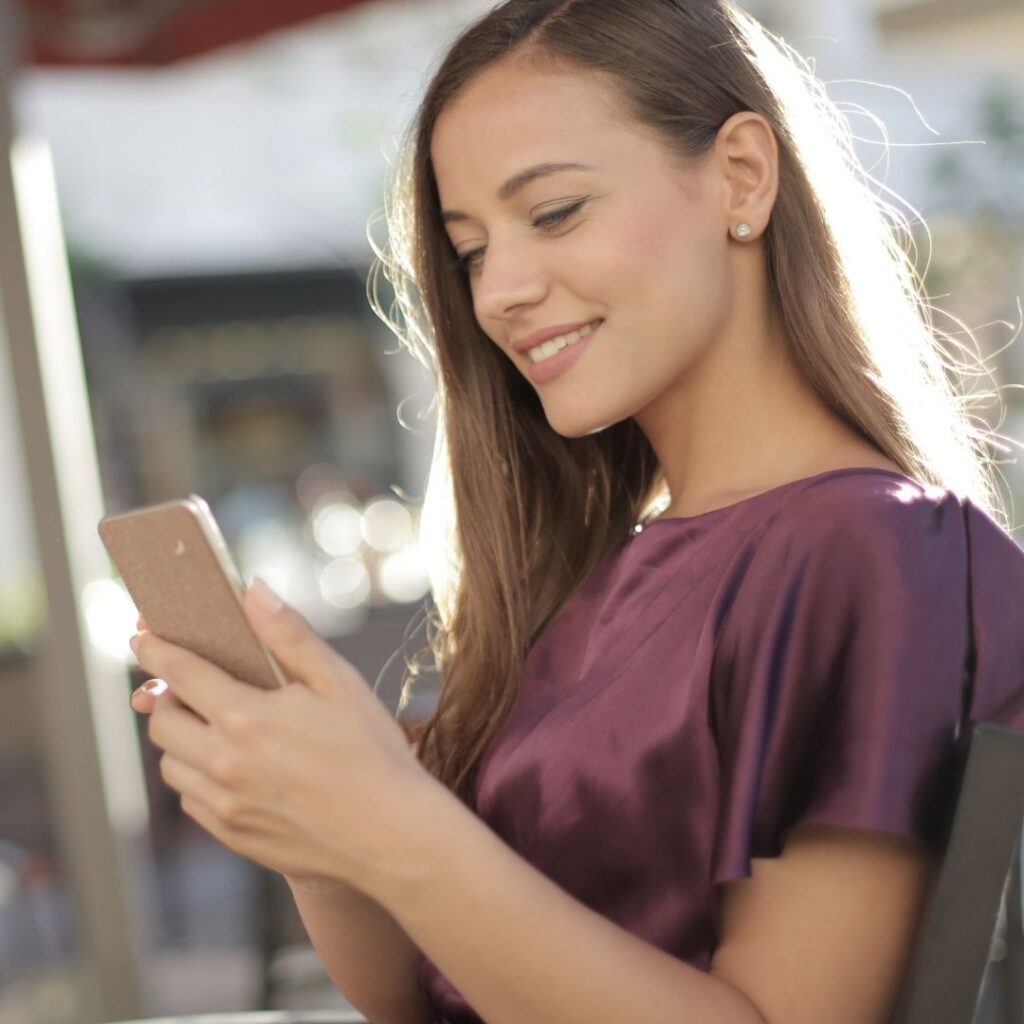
[978, 181]
[22, 612]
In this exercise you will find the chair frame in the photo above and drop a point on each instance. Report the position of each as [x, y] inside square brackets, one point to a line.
[979, 876]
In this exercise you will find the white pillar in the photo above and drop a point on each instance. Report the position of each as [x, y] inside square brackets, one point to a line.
[94, 770]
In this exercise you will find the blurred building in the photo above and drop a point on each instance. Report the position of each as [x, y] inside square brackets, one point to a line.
[216, 216]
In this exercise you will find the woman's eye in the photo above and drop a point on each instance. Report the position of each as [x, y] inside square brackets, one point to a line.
[471, 260]
[466, 261]
[555, 217]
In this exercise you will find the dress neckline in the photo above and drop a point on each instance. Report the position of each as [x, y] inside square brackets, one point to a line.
[774, 490]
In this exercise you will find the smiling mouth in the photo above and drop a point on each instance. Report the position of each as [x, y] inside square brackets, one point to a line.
[539, 353]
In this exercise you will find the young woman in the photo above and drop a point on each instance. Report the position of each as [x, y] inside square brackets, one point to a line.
[723, 578]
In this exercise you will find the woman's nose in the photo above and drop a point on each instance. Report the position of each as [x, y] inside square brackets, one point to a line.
[506, 282]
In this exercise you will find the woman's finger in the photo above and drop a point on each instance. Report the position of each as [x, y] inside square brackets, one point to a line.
[303, 654]
[203, 686]
[144, 697]
[174, 728]
[205, 818]
[199, 796]
[188, 780]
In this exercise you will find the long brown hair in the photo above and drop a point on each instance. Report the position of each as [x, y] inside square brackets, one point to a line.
[517, 515]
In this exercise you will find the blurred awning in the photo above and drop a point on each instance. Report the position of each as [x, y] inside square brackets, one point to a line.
[915, 15]
[125, 33]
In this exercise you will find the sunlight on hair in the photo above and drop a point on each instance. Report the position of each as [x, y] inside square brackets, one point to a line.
[516, 516]
[437, 528]
[406, 318]
[885, 289]
[874, 243]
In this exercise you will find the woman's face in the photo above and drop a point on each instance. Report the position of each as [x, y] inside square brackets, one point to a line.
[566, 215]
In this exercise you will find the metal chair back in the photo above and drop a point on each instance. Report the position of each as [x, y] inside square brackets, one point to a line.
[970, 934]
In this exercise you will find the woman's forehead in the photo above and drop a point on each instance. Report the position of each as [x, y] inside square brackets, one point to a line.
[507, 119]
[509, 96]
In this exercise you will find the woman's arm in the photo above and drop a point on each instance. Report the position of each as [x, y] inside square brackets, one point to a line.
[824, 931]
[317, 780]
[519, 948]
[365, 952]
[823, 935]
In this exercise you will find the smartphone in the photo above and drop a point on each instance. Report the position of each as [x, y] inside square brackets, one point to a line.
[177, 568]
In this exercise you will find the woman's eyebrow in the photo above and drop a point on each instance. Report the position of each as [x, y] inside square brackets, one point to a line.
[520, 180]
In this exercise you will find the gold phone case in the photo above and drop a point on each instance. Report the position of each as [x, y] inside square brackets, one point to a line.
[177, 568]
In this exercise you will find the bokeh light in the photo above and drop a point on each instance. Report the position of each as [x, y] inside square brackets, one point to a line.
[345, 582]
[337, 528]
[387, 525]
[403, 574]
[110, 618]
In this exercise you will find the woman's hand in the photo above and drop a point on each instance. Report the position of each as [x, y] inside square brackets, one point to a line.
[315, 779]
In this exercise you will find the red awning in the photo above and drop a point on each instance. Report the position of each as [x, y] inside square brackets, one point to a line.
[154, 32]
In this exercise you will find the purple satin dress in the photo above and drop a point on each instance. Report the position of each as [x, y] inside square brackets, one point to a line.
[806, 655]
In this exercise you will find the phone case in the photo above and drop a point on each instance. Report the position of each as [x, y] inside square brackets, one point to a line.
[177, 568]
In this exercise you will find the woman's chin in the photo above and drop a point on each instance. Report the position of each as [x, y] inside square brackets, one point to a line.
[583, 424]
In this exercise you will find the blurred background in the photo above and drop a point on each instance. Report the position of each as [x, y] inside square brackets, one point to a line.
[183, 267]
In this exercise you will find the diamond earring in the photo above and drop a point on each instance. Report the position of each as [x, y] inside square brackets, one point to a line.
[743, 230]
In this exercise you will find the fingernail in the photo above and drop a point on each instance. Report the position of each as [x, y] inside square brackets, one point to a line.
[154, 687]
[266, 600]
[133, 643]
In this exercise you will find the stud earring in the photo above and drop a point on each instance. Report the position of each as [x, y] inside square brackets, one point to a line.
[743, 230]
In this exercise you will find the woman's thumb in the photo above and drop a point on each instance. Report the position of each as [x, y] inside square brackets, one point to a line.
[294, 643]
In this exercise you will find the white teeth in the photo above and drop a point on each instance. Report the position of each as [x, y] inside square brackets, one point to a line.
[541, 352]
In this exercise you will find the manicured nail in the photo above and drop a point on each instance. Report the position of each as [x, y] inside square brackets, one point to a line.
[266, 600]
[152, 686]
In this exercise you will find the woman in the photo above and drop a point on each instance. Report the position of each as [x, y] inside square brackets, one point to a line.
[724, 577]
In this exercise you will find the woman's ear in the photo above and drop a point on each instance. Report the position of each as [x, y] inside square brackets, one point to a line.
[747, 155]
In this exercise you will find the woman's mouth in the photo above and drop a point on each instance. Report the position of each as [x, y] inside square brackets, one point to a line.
[541, 353]
[555, 357]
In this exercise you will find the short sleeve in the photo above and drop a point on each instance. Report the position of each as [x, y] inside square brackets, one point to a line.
[859, 638]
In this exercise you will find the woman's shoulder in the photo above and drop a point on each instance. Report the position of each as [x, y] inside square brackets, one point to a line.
[877, 507]
[870, 501]
[882, 536]
[866, 506]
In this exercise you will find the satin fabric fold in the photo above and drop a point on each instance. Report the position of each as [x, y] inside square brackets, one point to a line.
[805, 656]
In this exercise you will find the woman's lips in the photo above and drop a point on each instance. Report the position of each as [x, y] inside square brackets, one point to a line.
[561, 362]
[524, 345]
